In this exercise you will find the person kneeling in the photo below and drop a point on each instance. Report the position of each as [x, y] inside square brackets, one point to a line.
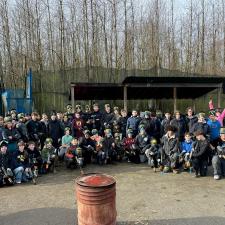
[200, 154]
[170, 151]
[152, 153]
[48, 155]
[6, 174]
[218, 161]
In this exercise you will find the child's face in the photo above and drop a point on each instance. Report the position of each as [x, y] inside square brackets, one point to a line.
[49, 145]
[9, 124]
[201, 119]
[21, 148]
[199, 137]
[44, 117]
[190, 112]
[134, 113]
[67, 132]
[3, 149]
[107, 109]
[177, 116]
[167, 115]
[124, 114]
[222, 136]
[77, 115]
[74, 142]
[31, 147]
[187, 138]
[170, 133]
[96, 108]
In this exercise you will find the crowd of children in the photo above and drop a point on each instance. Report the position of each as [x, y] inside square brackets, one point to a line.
[32, 145]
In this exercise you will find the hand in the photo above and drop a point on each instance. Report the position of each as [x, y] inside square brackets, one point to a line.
[10, 137]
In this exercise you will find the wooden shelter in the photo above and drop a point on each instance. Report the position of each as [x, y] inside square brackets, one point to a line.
[138, 87]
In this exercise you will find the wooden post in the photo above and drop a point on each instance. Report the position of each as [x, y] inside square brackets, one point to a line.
[219, 92]
[174, 99]
[125, 98]
[72, 96]
[194, 105]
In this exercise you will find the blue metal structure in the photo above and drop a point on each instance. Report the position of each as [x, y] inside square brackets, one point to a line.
[19, 99]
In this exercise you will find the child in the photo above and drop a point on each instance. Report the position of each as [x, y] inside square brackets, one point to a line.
[108, 146]
[185, 148]
[170, 151]
[71, 153]
[218, 161]
[35, 159]
[98, 154]
[48, 156]
[200, 154]
[142, 141]
[152, 153]
[130, 148]
[118, 146]
[21, 159]
[6, 175]
[66, 140]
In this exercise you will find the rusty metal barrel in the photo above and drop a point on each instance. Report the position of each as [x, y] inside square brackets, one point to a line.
[96, 199]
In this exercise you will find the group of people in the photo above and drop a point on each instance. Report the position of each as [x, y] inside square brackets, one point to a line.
[32, 145]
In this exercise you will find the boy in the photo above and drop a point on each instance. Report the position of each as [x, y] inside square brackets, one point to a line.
[6, 175]
[218, 161]
[170, 151]
[108, 146]
[35, 159]
[200, 154]
[142, 141]
[152, 152]
[186, 148]
[20, 163]
[130, 148]
[133, 122]
[71, 153]
[48, 155]
[66, 140]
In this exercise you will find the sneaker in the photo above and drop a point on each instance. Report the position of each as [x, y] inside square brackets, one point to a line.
[196, 176]
[216, 177]
[175, 171]
[18, 182]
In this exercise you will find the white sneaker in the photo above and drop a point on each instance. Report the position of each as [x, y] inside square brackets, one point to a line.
[216, 177]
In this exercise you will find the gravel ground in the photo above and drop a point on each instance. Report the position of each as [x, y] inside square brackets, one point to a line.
[143, 197]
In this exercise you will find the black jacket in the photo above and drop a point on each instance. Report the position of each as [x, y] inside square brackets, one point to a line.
[13, 132]
[55, 129]
[5, 160]
[201, 149]
[34, 129]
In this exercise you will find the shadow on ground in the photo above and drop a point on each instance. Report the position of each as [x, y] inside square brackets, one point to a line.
[63, 216]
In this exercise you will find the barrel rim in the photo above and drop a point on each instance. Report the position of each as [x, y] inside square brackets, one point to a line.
[78, 182]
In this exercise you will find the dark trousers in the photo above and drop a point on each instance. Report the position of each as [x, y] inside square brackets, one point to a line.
[200, 166]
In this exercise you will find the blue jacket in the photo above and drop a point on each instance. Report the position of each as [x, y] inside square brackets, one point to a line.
[133, 123]
[214, 127]
[186, 146]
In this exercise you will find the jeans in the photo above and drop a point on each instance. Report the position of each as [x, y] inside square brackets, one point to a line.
[18, 173]
[218, 165]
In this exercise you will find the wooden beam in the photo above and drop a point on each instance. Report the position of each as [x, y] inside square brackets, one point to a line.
[174, 99]
[72, 89]
[125, 98]
[182, 85]
[194, 105]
